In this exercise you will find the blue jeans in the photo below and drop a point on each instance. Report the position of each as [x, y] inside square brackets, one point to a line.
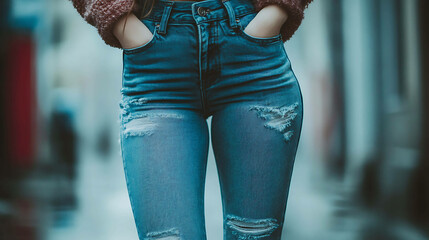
[200, 63]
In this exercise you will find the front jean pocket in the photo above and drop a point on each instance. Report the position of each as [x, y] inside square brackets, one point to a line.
[244, 21]
[153, 27]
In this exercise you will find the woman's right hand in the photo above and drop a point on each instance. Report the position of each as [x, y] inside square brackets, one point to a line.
[135, 33]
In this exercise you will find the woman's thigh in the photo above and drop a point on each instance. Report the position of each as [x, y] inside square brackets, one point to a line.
[257, 112]
[164, 154]
[254, 144]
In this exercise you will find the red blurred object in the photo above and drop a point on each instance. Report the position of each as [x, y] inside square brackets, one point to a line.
[20, 97]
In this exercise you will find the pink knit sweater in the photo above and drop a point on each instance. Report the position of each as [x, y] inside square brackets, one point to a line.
[103, 14]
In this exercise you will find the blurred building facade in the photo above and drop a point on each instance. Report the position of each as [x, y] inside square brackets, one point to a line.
[363, 67]
[368, 109]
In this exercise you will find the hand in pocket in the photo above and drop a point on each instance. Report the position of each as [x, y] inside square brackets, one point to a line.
[135, 34]
[267, 22]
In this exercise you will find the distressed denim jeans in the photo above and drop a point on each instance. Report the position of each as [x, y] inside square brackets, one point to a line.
[200, 63]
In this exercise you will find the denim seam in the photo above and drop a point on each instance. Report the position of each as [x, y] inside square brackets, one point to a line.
[128, 189]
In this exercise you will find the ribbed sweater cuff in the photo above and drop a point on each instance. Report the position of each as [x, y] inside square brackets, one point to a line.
[107, 15]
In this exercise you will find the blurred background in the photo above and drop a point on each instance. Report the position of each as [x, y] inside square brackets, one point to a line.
[362, 168]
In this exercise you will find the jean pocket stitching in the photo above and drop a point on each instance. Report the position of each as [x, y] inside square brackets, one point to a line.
[265, 40]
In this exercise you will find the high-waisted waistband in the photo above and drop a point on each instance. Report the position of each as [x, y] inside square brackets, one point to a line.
[196, 12]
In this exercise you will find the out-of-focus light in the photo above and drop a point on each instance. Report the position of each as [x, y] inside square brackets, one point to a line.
[25, 14]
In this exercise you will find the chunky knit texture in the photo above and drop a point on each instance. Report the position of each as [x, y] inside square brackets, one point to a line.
[295, 10]
[103, 15]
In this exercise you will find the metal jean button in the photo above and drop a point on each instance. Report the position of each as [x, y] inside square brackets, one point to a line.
[202, 11]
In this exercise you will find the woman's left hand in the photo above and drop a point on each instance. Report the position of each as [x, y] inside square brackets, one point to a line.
[267, 22]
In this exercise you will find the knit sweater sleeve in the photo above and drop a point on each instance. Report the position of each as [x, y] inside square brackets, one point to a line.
[103, 14]
[295, 10]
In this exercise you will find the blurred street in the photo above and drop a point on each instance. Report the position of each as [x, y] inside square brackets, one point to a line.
[362, 162]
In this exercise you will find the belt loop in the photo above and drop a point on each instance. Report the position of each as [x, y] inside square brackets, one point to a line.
[231, 13]
[165, 16]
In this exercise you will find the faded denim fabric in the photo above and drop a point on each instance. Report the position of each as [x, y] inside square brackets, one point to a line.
[201, 63]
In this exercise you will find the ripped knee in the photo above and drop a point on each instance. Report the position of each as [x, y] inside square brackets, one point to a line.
[246, 228]
[170, 234]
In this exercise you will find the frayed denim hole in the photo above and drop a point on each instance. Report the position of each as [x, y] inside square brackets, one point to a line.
[170, 234]
[245, 228]
[278, 118]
